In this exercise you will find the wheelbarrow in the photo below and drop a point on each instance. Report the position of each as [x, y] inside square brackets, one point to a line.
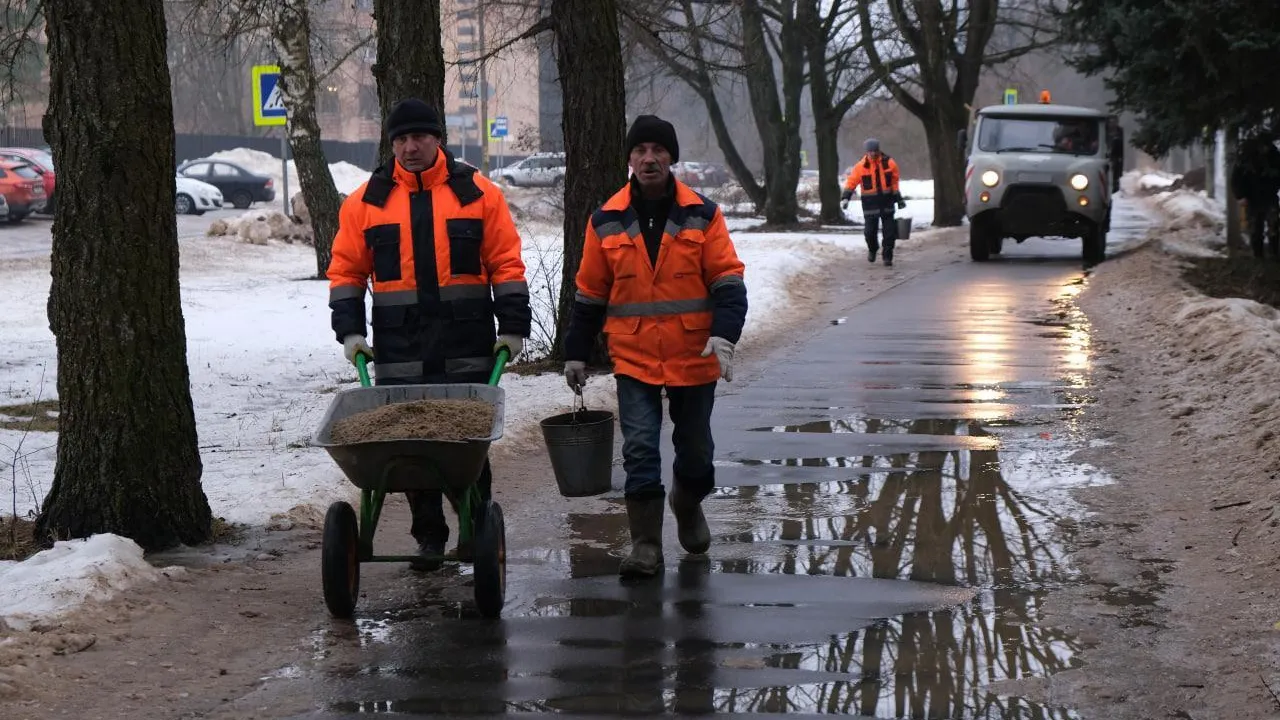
[379, 467]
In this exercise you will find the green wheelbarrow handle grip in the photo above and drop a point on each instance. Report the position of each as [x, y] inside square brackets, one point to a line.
[500, 364]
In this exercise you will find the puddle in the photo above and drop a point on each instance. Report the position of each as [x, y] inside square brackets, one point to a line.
[867, 559]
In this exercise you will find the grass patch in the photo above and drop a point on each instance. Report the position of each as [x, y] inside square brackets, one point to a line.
[1243, 277]
[39, 416]
[17, 538]
[227, 533]
[535, 367]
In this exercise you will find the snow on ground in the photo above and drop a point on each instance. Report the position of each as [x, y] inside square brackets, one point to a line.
[56, 580]
[1179, 208]
[264, 363]
[264, 366]
[346, 177]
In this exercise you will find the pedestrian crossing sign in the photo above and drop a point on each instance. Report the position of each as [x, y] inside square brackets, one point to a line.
[268, 96]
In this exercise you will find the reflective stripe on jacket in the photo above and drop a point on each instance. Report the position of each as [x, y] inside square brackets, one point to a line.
[876, 180]
[658, 318]
[444, 258]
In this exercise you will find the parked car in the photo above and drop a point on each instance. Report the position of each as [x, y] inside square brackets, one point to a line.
[194, 197]
[236, 184]
[23, 188]
[40, 161]
[542, 169]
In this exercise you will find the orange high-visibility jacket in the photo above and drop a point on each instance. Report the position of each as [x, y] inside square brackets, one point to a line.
[658, 318]
[444, 258]
[877, 181]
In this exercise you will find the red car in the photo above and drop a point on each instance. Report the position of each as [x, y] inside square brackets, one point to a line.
[41, 162]
[23, 188]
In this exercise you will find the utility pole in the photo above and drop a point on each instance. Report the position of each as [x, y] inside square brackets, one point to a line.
[484, 94]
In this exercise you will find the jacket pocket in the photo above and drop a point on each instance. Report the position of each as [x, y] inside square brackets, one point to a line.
[465, 236]
[384, 241]
[621, 325]
[685, 252]
[867, 182]
[387, 317]
[694, 322]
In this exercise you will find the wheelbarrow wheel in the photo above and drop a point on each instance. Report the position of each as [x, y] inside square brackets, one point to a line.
[340, 560]
[490, 563]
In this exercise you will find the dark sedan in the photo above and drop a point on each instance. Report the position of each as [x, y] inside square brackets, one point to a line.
[240, 187]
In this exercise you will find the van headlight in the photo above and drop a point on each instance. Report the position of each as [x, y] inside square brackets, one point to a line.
[1079, 182]
[991, 178]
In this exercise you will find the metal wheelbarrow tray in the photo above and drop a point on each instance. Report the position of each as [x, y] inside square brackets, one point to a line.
[379, 467]
[410, 464]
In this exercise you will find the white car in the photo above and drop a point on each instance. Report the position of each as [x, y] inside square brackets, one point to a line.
[195, 197]
[542, 169]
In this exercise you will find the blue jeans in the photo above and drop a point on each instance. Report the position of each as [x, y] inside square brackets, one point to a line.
[640, 416]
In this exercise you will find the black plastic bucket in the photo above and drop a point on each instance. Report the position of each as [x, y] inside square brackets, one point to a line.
[580, 445]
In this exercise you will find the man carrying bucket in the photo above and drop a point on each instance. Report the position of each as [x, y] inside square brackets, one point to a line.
[876, 176]
[662, 279]
[438, 242]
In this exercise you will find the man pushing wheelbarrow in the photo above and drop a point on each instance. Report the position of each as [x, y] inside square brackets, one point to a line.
[437, 240]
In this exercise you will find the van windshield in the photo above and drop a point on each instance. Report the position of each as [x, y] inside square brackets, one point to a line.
[1067, 136]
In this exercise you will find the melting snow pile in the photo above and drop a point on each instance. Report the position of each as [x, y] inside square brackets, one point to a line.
[56, 580]
[258, 227]
[1181, 207]
[346, 177]
[1238, 339]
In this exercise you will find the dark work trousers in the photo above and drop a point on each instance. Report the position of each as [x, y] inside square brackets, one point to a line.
[427, 509]
[1262, 218]
[640, 417]
[873, 219]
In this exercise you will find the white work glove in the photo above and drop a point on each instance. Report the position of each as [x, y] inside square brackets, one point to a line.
[514, 343]
[352, 344]
[724, 354]
[575, 374]
[844, 204]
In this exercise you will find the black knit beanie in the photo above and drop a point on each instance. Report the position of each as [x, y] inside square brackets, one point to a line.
[651, 128]
[412, 115]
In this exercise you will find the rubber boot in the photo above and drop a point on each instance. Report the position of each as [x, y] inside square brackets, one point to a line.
[645, 517]
[691, 524]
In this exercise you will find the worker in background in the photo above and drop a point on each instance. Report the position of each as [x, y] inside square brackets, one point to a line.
[662, 279]
[1255, 180]
[876, 176]
[437, 240]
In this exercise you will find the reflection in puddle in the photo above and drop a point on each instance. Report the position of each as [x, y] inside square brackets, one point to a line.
[794, 618]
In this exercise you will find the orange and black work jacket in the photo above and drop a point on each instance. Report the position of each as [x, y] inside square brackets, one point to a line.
[444, 258]
[658, 307]
[878, 181]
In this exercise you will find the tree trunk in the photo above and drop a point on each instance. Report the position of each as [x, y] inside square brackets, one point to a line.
[291, 28]
[826, 133]
[410, 58]
[128, 461]
[779, 136]
[947, 165]
[1235, 243]
[826, 117]
[589, 59]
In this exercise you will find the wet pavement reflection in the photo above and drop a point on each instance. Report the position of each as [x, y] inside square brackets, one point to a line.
[893, 510]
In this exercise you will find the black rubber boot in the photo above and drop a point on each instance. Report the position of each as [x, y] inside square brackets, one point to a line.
[691, 524]
[645, 517]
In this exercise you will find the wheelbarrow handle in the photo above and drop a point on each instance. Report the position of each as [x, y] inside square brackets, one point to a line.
[500, 364]
[362, 369]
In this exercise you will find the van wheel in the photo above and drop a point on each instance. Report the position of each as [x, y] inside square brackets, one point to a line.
[1095, 246]
[997, 245]
[980, 239]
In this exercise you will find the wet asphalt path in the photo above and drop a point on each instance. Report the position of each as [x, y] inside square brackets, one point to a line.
[892, 512]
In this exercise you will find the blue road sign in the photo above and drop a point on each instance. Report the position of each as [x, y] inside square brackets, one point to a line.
[268, 96]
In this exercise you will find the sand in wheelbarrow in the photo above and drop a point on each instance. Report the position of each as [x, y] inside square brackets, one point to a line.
[418, 420]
